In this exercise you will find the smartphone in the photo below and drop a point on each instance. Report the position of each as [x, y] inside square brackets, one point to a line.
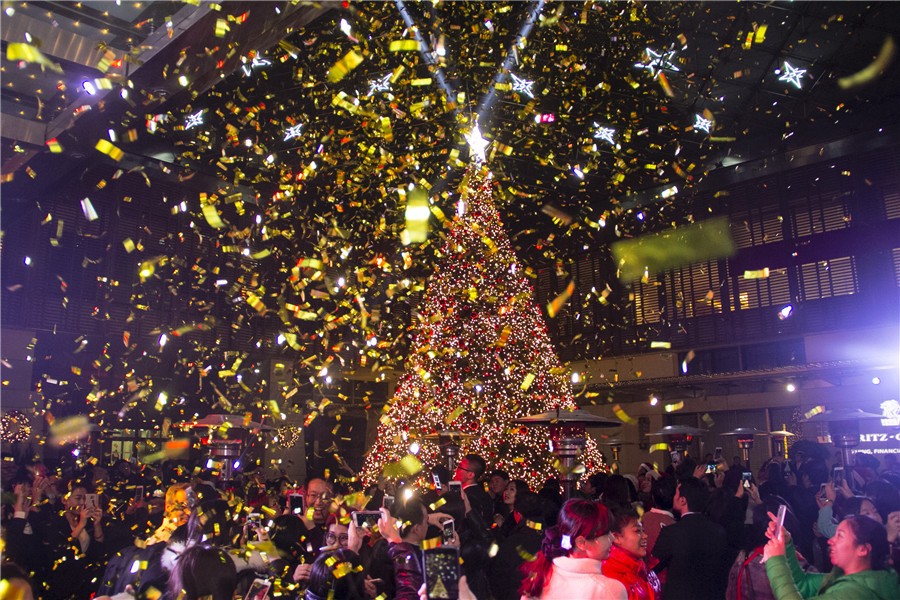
[456, 487]
[254, 521]
[710, 468]
[718, 454]
[437, 480]
[138, 493]
[92, 501]
[295, 502]
[837, 477]
[448, 530]
[366, 518]
[441, 573]
[746, 477]
[388, 502]
[782, 510]
[676, 457]
[259, 590]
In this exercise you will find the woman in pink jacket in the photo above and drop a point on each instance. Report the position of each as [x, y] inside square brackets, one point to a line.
[569, 563]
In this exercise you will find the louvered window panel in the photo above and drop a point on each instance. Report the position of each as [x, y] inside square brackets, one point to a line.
[646, 301]
[757, 293]
[895, 254]
[828, 278]
[892, 204]
[740, 230]
[819, 213]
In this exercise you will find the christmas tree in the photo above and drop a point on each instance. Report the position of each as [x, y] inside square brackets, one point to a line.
[480, 359]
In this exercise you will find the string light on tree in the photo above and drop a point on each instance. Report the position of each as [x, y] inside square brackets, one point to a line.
[521, 85]
[14, 427]
[292, 132]
[657, 62]
[381, 84]
[605, 133]
[791, 75]
[702, 124]
[481, 357]
[194, 120]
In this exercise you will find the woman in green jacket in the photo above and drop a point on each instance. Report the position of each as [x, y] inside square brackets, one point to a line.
[859, 553]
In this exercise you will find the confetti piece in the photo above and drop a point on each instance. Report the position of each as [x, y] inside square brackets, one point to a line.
[684, 245]
[526, 383]
[674, 407]
[55, 146]
[816, 410]
[109, 149]
[211, 214]
[706, 418]
[403, 46]
[874, 70]
[660, 447]
[222, 27]
[340, 69]
[71, 429]
[88, 209]
[623, 416]
[30, 54]
[554, 307]
[660, 344]
[760, 274]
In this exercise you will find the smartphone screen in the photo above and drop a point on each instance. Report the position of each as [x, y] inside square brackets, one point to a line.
[388, 502]
[456, 487]
[437, 480]
[92, 501]
[295, 502]
[782, 511]
[139, 493]
[718, 454]
[746, 478]
[442, 573]
[711, 468]
[448, 528]
[838, 477]
[366, 518]
[254, 521]
[259, 590]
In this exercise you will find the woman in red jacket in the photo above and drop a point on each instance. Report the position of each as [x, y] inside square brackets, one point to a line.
[626, 558]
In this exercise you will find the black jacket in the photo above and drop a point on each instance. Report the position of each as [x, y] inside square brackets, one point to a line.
[694, 553]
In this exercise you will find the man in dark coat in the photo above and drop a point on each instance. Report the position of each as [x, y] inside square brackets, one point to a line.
[468, 473]
[693, 551]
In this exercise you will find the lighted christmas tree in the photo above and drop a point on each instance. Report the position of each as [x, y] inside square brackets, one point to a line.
[481, 357]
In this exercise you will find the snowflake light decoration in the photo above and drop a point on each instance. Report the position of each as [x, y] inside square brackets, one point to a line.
[702, 124]
[658, 62]
[292, 132]
[194, 119]
[521, 85]
[792, 75]
[14, 427]
[382, 84]
[605, 133]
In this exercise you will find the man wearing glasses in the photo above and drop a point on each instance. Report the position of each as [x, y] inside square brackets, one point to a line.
[468, 472]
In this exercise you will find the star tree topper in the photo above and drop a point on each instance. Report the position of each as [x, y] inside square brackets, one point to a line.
[194, 120]
[381, 84]
[292, 132]
[477, 144]
[702, 124]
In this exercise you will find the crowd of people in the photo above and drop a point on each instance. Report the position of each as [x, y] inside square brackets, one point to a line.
[697, 530]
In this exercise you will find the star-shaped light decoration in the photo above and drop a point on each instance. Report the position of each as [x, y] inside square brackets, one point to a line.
[256, 62]
[521, 85]
[382, 84]
[605, 133]
[792, 75]
[477, 144]
[194, 119]
[658, 62]
[292, 132]
[702, 124]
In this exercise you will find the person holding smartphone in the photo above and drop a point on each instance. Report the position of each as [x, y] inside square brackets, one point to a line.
[859, 552]
[405, 534]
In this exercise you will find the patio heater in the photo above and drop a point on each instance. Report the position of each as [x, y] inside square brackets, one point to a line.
[843, 426]
[745, 436]
[226, 439]
[449, 442]
[567, 437]
[678, 437]
[615, 444]
[780, 438]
